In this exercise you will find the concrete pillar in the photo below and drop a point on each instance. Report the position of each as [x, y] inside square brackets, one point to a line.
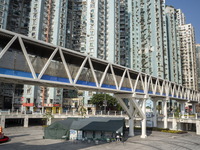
[131, 127]
[182, 108]
[26, 121]
[154, 113]
[165, 113]
[3, 121]
[198, 127]
[144, 120]
[131, 122]
[174, 124]
[193, 108]
[48, 121]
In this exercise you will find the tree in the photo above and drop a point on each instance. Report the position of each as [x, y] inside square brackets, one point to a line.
[47, 116]
[99, 101]
[177, 112]
[82, 110]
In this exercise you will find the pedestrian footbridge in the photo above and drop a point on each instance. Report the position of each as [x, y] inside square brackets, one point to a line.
[25, 60]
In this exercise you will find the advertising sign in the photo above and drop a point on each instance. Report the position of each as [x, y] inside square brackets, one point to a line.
[73, 135]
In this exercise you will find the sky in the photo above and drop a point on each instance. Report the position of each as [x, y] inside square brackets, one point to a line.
[191, 10]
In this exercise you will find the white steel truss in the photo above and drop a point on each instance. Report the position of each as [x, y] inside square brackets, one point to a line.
[84, 71]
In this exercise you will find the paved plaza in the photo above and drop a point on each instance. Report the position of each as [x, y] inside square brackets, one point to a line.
[31, 139]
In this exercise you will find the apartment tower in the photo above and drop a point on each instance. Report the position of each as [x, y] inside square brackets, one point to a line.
[173, 44]
[148, 37]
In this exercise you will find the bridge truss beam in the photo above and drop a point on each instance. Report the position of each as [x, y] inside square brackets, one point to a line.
[30, 61]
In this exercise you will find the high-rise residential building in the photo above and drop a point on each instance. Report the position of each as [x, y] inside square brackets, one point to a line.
[43, 20]
[48, 19]
[198, 63]
[188, 56]
[180, 17]
[148, 37]
[173, 45]
[93, 28]
[124, 34]
[14, 16]
[4, 4]
[18, 16]
[48, 22]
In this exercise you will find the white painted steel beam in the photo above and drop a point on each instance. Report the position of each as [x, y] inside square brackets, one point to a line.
[104, 75]
[144, 120]
[8, 46]
[122, 79]
[120, 100]
[93, 73]
[115, 80]
[80, 69]
[47, 63]
[27, 58]
[65, 65]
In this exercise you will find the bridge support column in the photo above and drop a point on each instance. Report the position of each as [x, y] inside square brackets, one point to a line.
[182, 108]
[134, 109]
[3, 121]
[198, 127]
[131, 122]
[165, 112]
[49, 121]
[144, 120]
[154, 113]
[174, 123]
[26, 121]
[131, 127]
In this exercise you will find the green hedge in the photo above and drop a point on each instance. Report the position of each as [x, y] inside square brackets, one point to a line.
[163, 130]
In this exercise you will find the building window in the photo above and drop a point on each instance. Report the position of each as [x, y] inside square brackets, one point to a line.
[28, 91]
[28, 100]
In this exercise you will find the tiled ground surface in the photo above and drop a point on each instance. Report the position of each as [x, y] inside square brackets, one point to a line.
[31, 139]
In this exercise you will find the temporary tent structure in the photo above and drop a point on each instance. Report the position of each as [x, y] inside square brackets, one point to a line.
[61, 129]
[58, 129]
